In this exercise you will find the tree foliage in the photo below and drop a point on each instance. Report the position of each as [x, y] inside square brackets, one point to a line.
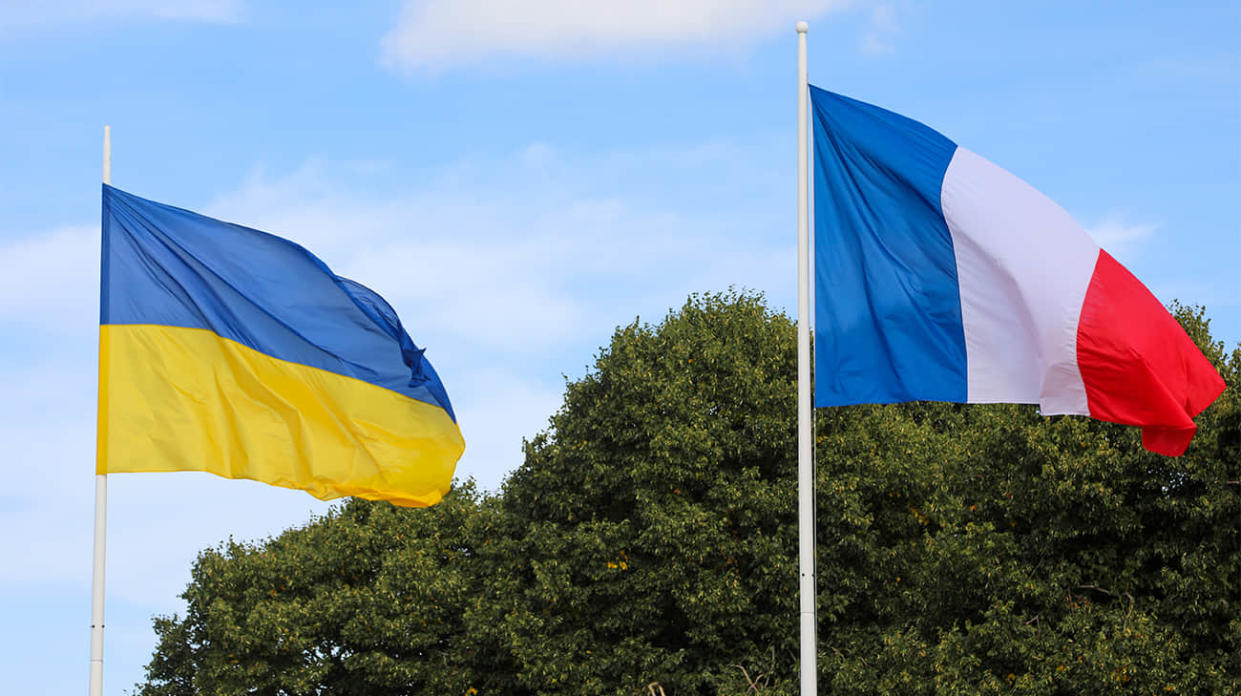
[649, 537]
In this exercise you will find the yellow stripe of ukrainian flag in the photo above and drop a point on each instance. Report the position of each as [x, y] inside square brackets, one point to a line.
[185, 399]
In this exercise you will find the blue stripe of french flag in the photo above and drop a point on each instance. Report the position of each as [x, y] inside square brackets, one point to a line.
[940, 276]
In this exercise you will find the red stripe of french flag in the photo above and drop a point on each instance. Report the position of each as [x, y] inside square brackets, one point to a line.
[1137, 363]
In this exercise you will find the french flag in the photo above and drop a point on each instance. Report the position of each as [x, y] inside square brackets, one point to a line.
[942, 277]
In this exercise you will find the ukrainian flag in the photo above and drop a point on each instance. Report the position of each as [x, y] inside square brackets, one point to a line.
[232, 351]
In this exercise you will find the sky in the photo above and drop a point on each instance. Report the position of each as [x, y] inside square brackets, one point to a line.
[518, 179]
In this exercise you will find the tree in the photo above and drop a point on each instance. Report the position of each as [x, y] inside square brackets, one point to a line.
[650, 536]
[369, 599]
[656, 518]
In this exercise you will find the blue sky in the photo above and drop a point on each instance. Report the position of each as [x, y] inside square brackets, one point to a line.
[518, 179]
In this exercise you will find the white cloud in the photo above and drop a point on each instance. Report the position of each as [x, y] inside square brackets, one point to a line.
[879, 38]
[497, 408]
[1121, 239]
[51, 279]
[35, 14]
[434, 34]
[518, 255]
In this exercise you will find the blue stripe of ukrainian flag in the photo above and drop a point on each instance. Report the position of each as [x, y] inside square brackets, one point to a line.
[228, 350]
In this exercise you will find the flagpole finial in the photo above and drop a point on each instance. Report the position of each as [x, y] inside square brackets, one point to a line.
[802, 27]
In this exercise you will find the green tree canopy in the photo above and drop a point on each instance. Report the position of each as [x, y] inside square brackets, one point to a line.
[649, 537]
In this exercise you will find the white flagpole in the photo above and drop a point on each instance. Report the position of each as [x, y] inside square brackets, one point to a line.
[101, 510]
[805, 443]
